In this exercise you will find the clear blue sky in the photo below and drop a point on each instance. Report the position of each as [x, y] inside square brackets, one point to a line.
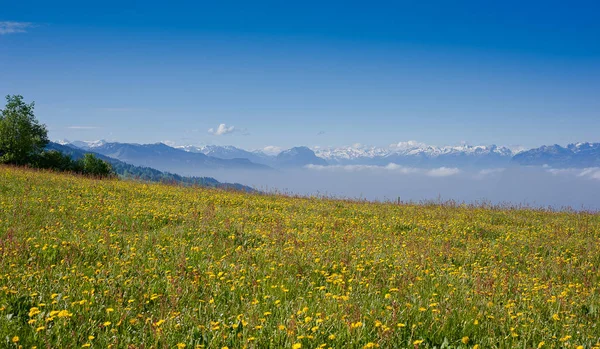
[288, 73]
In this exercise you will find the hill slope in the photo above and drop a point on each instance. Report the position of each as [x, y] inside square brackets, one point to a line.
[126, 170]
[127, 264]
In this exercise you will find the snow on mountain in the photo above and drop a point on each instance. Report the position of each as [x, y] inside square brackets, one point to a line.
[353, 152]
[63, 142]
[269, 150]
[88, 144]
[408, 151]
[577, 155]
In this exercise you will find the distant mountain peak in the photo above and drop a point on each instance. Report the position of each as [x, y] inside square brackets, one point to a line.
[63, 141]
[299, 156]
[575, 155]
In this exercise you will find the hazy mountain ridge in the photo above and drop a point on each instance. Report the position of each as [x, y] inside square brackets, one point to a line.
[298, 157]
[165, 158]
[575, 155]
[409, 153]
[144, 173]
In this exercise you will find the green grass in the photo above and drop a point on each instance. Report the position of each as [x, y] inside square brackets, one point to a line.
[122, 264]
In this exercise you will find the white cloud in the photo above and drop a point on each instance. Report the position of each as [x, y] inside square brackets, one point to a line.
[407, 145]
[592, 172]
[170, 143]
[443, 172]
[221, 130]
[9, 27]
[83, 127]
[401, 169]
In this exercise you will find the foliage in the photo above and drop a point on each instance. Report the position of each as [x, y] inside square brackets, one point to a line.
[89, 263]
[22, 137]
[91, 165]
[88, 164]
[55, 160]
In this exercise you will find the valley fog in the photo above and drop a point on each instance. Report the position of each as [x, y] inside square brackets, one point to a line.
[519, 186]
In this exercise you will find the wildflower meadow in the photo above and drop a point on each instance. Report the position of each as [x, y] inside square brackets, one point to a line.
[124, 264]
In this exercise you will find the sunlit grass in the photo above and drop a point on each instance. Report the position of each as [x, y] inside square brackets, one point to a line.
[91, 263]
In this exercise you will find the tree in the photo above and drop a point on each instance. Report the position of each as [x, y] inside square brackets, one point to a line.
[55, 160]
[91, 165]
[22, 137]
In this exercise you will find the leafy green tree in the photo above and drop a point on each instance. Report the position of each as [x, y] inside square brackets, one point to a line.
[22, 137]
[55, 160]
[94, 166]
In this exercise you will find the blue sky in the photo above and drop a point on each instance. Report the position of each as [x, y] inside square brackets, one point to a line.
[309, 72]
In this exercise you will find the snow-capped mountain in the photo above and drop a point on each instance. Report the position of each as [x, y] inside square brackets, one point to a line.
[63, 142]
[350, 153]
[227, 152]
[404, 153]
[415, 153]
[573, 155]
[87, 145]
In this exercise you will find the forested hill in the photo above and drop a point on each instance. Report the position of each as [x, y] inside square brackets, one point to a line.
[126, 170]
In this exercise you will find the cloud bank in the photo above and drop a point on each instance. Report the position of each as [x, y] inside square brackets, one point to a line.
[391, 167]
[588, 173]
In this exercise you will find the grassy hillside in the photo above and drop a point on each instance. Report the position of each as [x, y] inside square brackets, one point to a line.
[89, 263]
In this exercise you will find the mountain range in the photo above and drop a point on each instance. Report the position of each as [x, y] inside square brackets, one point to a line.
[419, 155]
[165, 158]
[181, 159]
[578, 155]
